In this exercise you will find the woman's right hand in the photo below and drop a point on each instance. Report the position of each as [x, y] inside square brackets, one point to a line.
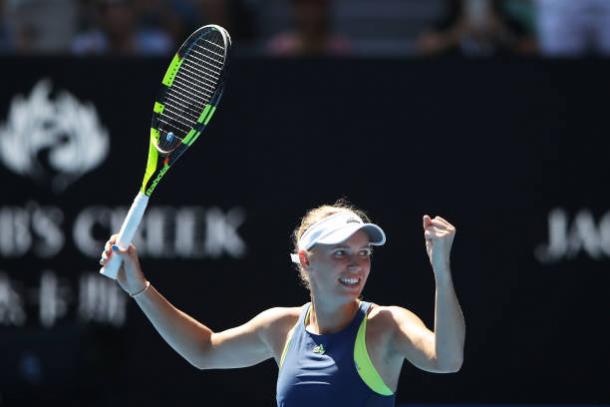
[130, 277]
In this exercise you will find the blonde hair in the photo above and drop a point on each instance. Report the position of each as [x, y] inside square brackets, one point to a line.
[315, 215]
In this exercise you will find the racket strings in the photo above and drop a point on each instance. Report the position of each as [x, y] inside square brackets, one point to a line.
[197, 75]
[206, 67]
[182, 108]
[185, 87]
[177, 101]
[195, 83]
[179, 117]
[189, 94]
[207, 59]
[203, 83]
[193, 87]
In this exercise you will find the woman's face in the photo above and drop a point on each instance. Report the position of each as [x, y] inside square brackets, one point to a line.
[340, 271]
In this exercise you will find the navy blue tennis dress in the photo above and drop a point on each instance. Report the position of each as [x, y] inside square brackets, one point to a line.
[330, 370]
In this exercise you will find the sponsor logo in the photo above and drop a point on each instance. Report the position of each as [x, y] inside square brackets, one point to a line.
[42, 231]
[578, 235]
[94, 299]
[157, 180]
[319, 349]
[191, 232]
[53, 141]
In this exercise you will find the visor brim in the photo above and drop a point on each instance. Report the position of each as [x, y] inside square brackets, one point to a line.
[375, 233]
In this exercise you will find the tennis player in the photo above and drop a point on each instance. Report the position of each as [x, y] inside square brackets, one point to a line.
[336, 350]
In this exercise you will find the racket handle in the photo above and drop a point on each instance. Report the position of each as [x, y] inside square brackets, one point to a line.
[126, 234]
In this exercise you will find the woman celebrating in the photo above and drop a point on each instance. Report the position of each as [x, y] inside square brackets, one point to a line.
[336, 350]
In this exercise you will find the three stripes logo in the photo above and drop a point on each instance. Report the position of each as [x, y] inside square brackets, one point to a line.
[319, 349]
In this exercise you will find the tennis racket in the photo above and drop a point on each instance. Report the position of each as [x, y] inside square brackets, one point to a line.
[189, 94]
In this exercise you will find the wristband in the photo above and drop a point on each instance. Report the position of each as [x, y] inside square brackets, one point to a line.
[146, 285]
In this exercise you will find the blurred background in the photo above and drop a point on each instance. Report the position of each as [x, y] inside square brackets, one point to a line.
[490, 113]
[389, 28]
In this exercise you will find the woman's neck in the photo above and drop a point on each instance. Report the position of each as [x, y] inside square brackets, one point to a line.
[326, 319]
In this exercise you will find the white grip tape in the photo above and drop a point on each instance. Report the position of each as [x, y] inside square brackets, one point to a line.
[126, 234]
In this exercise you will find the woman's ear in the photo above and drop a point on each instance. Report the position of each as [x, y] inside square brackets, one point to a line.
[304, 259]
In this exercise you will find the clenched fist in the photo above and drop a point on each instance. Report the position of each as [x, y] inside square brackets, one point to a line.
[439, 235]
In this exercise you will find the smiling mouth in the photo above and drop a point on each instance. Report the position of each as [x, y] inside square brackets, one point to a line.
[350, 282]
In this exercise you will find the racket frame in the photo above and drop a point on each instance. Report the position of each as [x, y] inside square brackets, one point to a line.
[154, 172]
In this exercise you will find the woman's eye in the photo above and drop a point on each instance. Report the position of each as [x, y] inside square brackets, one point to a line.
[340, 253]
[366, 253]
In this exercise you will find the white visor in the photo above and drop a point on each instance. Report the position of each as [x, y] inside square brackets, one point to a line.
[335, 229]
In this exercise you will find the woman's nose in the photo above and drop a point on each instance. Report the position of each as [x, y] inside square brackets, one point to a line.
[353, 264]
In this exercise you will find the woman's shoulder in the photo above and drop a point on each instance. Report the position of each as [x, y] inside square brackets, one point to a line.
[279, 317]
[283, 312]
[386, 317]
[384, 324]
[276, 323]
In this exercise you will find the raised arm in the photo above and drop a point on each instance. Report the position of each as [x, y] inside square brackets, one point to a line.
[442, 350]
[251, 343]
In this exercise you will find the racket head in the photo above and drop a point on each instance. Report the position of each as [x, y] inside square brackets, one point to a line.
[190, 92]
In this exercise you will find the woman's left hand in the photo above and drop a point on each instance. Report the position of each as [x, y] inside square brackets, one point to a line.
[439, 235]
